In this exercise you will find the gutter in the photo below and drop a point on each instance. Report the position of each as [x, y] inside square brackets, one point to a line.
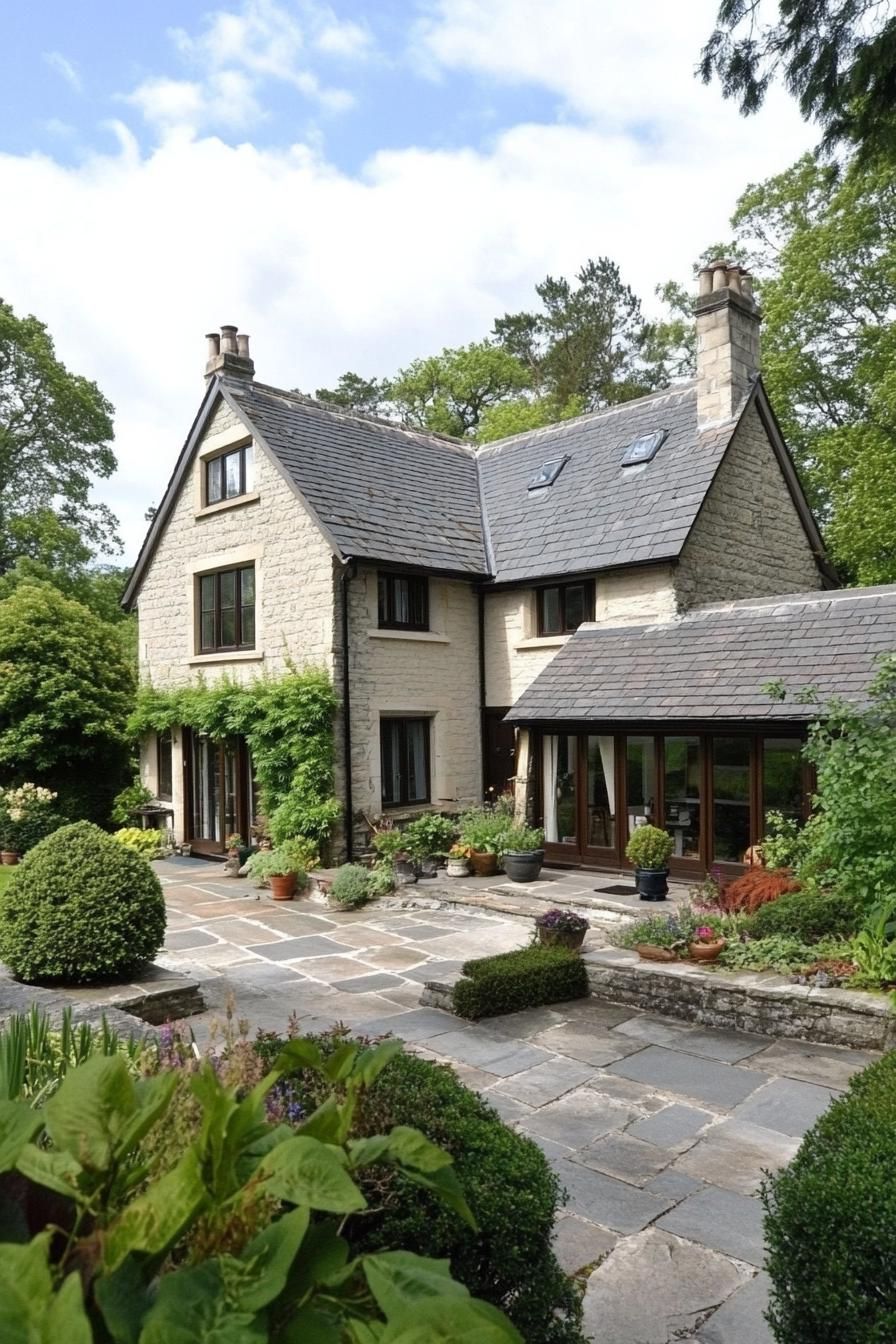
[349, 569]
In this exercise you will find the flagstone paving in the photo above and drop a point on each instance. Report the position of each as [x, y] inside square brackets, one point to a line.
[660, 1132]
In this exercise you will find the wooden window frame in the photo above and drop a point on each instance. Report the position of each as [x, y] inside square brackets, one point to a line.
[163, 739]
[242, 451]
[385, 592]
[403, 721]
[218, 646]
[587, 585]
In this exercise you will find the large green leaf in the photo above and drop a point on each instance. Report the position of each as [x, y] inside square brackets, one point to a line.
[399, 1279]
[193, 1307]
[123, 1300]
[298, 1054]
[445, 1184]
[66, 1320]
[153, 1223]
[30, 1311]
[86, 1114]
[310, 1325]
[435, 1321]
[270, 1256]
[327, 1123]
[372, 1061]
[152, 1098]
[304, 1171]
[324, 1257]
[413, 1149]
[57, 1171]
[18, 1125]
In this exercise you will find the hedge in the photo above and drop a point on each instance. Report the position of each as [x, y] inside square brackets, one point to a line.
[509, 1260]
[806, 915]
[831, 1222]
[520, 979]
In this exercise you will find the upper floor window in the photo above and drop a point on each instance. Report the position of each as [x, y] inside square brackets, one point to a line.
[165, 765]
[229, 475]
[227, 610]
[564, 606]
[403, 601]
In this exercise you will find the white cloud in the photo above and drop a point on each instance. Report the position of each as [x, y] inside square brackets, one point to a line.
[130, 256]
[64, 67]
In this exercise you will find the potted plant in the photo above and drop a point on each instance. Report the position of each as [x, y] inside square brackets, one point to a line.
[561, 928]
[281, 868]
[649, 849]
[656, 938]
[391, 847]
[521, 852]
[459, 861]
[427, 840]
[233, 844]
[481, 830]
[706, 943]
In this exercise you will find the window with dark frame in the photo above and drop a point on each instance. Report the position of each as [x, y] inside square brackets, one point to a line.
[165, 765]
[564, 606]
[402, 602]
[227, 610]
[404, 752]
[229, 475]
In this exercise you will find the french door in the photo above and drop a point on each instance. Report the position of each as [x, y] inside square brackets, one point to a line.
[219, 792]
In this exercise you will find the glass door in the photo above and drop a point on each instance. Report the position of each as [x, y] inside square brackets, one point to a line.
[219, 797]
[683, 801]
[732, 829]
[599, 791]
[640, 787]
[559, 785]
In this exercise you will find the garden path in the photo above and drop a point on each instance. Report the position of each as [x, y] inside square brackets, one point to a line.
[660, 1131]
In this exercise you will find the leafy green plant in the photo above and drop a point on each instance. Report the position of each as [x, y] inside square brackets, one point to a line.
[429, 836]
[111, 1267]
[649, 847]
[281, 861]
[654, 931]
[79, 907]
[148, 843]
[508, 1258]
[483, 828]
[874, 946]
[125, 803]
[380, 880]
[777, 952]
[782, 844]
[522, 979]
[351, 885]
[521, 840]
[830, 1225]
[390, 843]
[36, 1053]
[807, 915]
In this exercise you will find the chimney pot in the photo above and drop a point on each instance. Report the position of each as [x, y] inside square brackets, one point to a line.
[228, 340]
[242, 345]
[727, 341]
[214, 344]
[719, 276]
[228, 354]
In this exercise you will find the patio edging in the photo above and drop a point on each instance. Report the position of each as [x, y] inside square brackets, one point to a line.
[759, 1002]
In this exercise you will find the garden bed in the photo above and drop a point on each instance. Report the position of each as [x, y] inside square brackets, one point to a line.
[756, 1001]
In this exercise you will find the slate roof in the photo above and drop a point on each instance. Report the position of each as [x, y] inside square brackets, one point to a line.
[712, 663]
[383, 493]
[598, 513]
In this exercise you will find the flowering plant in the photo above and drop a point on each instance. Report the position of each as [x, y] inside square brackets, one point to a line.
[705, 934]
[26, 816]
[233, 841]
[562, 921]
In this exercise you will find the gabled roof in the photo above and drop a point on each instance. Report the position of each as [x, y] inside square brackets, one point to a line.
[713, 663]
[397, 496]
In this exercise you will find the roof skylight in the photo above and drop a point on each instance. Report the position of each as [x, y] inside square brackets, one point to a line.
[644, 448]
[547, 473]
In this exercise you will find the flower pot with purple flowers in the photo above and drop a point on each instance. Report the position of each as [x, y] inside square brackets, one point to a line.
[561, 928]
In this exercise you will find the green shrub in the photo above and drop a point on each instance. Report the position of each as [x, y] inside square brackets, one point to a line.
[148, 843]
[874, 946]
[831, 1222]
[806, 915]
[521, 840]
[521, 979]
[781, 952]
[483, 828]
[649, 847]
[27, 816]
[351, 885]
[80, 907]
[429, 836]
[125, 803]
[513, 1194]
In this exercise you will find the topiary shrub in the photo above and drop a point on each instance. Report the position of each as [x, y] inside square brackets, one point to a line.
[521, 979]
[80, 907]
[831, 1222]
[351, 885]
[514, 1195]
[806, 915]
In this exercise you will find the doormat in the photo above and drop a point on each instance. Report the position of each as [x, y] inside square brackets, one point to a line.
[617, 890]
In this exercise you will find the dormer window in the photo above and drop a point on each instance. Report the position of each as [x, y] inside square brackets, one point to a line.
[229, 475]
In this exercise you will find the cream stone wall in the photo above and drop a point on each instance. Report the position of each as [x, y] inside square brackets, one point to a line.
[434, 674]
[748, 540]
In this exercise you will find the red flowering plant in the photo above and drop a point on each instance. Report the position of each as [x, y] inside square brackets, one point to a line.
[704, 933]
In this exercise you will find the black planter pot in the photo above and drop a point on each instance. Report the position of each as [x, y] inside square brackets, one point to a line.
[524, 866]
[653, 883]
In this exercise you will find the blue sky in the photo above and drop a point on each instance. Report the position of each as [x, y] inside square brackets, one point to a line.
[354, 184]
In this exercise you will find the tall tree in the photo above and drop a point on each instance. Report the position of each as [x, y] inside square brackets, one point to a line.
[449, 393]
[837, 57]
[355, 393]
[823, 245]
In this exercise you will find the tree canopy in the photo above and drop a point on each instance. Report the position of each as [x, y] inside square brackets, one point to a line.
[837, 57]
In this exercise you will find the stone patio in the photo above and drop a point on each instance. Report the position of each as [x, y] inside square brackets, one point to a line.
[659, 1130]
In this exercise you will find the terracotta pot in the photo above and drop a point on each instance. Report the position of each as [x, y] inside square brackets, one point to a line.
[483, 863]
[561, 938]
[9, 857]
[283, 886]
[647, 952]
[706, 951]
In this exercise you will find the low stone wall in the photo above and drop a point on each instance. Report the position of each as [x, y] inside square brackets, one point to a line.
[759, 1002]
[154, 996]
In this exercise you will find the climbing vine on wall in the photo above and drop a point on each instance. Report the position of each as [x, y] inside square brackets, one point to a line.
[287, 723]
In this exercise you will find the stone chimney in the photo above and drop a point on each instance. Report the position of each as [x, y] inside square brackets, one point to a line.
[228, 353]
[728, 320]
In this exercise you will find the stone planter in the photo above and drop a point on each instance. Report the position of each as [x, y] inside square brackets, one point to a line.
[405, 872]
[458, 867]
[483, 863]
[653, 883]
[523, 866]
[283, 886]
[706, 951]
[9, 857]
[647, 952]
[561, 938]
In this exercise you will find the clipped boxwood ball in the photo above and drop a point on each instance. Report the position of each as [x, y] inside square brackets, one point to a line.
[80, 906]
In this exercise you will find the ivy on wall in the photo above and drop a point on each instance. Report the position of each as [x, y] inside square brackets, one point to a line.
[287, 723]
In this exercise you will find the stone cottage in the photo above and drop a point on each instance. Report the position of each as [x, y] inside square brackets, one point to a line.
[545, 613]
